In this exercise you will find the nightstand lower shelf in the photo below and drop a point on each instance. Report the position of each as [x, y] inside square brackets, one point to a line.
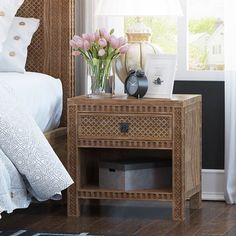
[94, 192]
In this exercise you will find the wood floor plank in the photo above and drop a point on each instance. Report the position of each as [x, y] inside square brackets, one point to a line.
[215, 229]
[131, 226]
[198, 218]
[232, 231]
[158, 227]
[69, 224]
[104, 225]
[229, 215]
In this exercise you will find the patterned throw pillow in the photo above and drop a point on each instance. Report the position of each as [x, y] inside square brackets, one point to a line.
[14, 52]
[8, 9]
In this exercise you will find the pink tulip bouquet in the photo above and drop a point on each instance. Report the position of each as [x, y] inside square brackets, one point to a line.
[99, 49]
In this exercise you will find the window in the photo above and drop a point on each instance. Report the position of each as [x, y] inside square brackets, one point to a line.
[197, 38]
[206, 31]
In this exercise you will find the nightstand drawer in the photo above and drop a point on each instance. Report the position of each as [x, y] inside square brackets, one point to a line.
[126, 127]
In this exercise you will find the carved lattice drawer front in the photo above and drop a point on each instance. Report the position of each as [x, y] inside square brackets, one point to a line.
[121, 126]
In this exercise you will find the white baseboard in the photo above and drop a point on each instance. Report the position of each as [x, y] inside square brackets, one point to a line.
[213, 185]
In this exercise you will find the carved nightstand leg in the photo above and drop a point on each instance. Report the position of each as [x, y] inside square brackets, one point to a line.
[178, 159]
[178, 209]
[73, 208]
[178, 204]
[196, 201]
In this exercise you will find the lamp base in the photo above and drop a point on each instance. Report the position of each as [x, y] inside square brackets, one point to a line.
[135, 58]
[138, 37]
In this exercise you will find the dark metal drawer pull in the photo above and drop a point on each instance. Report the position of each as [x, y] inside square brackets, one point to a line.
[124, 127]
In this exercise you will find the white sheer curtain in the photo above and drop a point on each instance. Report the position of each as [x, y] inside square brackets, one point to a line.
[87, 22]
[230, 101]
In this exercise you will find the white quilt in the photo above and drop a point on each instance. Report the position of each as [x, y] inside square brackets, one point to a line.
[40, 94]
[28, 164]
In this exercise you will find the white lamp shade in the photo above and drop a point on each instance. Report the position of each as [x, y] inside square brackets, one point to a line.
[139, 8]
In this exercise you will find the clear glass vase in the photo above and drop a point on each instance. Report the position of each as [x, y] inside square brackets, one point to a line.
[102, 77]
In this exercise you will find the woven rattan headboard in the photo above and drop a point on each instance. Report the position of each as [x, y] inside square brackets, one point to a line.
[49, 51]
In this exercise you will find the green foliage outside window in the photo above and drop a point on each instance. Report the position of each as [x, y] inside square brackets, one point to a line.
[207, 24]
[197, 58]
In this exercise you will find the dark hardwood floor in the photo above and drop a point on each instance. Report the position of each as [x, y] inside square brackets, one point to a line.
[128, 218]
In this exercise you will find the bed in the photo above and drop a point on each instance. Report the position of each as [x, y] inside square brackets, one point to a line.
[40, 94]
[49, 53]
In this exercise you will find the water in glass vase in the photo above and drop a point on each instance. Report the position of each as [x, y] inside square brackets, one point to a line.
[102, 75]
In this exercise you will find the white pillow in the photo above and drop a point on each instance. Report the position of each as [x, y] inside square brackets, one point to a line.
[8, 9]
[14, 52]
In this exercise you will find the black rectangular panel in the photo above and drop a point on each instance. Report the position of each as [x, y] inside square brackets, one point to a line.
[212, 119]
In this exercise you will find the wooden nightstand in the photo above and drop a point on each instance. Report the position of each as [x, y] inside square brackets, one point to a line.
[158, 129]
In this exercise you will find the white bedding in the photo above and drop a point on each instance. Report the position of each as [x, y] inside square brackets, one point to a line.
[28, 165]
[40, 94]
